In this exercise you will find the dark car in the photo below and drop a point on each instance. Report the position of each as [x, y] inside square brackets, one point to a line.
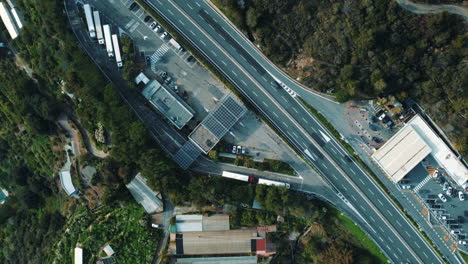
[190, 58]
[147, 18]
[185, 95]
[132, 6]
[274, 85]
[148, 60]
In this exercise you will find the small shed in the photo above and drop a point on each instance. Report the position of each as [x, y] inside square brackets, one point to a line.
[109, 251]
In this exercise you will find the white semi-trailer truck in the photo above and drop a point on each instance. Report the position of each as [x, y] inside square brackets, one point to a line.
[108, 39]
[89, 20]
[97, 22]
[118, 57]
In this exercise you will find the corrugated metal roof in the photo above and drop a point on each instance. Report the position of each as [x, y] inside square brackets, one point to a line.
[144, 195]
[67, 184]
[219, 260]
[8, 21]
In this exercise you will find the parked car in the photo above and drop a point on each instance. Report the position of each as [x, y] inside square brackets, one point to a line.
[147, 18]
[164, 35]
[190, 58]
[449, 191]
[446, 186]
[461, 196]
[239, 149]
[157, 28]
[148, 60]
[176, 89]
[185, 95]
[234, 149]
[442, 197]
[382, 116]
[132, 6]
[462, 242]
[155, 225]
[243, 150]
[152, 25]
[436, 173]
[168, 80]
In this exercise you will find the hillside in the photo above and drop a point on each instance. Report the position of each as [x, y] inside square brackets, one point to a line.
[365, 49]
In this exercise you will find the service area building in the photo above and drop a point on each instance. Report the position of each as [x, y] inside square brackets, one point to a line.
[168, 103]
[409, 146]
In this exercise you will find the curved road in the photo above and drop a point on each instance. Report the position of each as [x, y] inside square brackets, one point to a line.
[251, 73]
[418, 8]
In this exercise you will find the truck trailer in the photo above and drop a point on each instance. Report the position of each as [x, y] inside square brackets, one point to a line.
[175, 44]
[97, 22]
[118, 57]
[273, 183]
[89, 20]
[108, 39]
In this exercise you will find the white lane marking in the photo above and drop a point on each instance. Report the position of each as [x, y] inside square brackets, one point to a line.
[352, 196]
[424, 253]
[295, 134]
[334, 176]
[159, 2]
[380, 202]
[192, 32]
[333, 150]
[380, 238]
[361, 181]
[204, 44]
[284, 98]
[264, 78]
[395, 255]
[398, 222]
[352, 171]
[197, 4]
[390, 239]
[400, 250]
[372, 218]
[407, 233]
[211, 26]
[381, 229]
[172, 13]
[324, 165]
[255, 93]
[371, 192]
[285, 124]
[212, 52]
[265, 103]
[180, 21]
[364, 209]
[344, 187]
[305, 120]
[225, 64]
[234, 72]
[242, 81]
[295, 110]
[390, 213]
[190, 6]
[275, 114]
[417, 245]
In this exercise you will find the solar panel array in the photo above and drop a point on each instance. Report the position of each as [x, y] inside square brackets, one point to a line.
[187, 154]
[224, 117]
[231, 41]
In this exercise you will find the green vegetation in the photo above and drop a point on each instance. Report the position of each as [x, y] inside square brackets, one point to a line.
[121, 226]
[464, 256]
[365, 49]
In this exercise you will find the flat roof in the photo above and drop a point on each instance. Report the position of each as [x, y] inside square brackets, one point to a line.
[219, 260]
[218, 122]
[442, 153]
[78, 255]
[195, 223]
[168, 103]
[8, 21]
[67, 184]
[402, 153]
[217, 242]
[144, 195]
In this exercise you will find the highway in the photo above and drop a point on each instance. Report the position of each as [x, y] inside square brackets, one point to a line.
[248, 70]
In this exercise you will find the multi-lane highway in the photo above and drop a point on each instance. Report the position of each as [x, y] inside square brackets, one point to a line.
[252, 74]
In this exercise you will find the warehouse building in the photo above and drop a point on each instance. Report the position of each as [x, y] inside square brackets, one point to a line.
[9, 21]
[414, 142]
[168, 103]
[144, 195]
[218, 260]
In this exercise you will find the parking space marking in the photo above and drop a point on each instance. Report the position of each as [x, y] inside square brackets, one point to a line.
[130, 23]
[134, 27]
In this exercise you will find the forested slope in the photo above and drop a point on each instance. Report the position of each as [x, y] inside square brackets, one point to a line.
[365, 49]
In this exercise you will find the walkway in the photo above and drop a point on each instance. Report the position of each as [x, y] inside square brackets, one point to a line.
[433, 9]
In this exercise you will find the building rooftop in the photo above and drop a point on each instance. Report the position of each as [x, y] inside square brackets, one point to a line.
[67, 184]
[402, 153]
[141, 78]
[168, 103]
[78, 255]
[219, 260]
[3, 196]
[144, 195]
[194, 223]
[9, 21]
[208, 133]
[109, 251]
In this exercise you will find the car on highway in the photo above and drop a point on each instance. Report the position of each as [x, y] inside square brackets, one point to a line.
[164, 35]
[461, 196]
[274, 85]
[153, 25]
[147, 18]
[157, 28]
[442, 197]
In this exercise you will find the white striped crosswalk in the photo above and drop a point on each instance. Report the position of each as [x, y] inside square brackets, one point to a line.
[421, 184]
[157, 55]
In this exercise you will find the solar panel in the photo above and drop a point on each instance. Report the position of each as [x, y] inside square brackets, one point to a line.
[187, 154]
[234, 107]
[215, 127]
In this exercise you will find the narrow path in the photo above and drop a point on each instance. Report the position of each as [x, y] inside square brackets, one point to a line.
[433, 9]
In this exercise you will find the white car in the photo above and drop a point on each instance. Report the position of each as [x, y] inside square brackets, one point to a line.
[164, 35]
[234, 149]
[449, 191]
[462, 242]
[436, 173]
[154, 24]
[461, 196]
[382, 116]
[442, 197]
[157, 28]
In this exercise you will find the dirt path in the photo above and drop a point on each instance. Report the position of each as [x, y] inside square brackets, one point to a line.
[432, 9]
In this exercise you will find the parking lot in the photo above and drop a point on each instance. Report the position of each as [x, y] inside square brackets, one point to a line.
[427, 181]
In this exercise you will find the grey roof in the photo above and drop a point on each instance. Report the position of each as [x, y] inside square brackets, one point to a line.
[219, 260]
[168, 103]
[144, 195]
[217, 123]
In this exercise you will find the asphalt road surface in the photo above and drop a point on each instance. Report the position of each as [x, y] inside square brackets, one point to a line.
[252, 74]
